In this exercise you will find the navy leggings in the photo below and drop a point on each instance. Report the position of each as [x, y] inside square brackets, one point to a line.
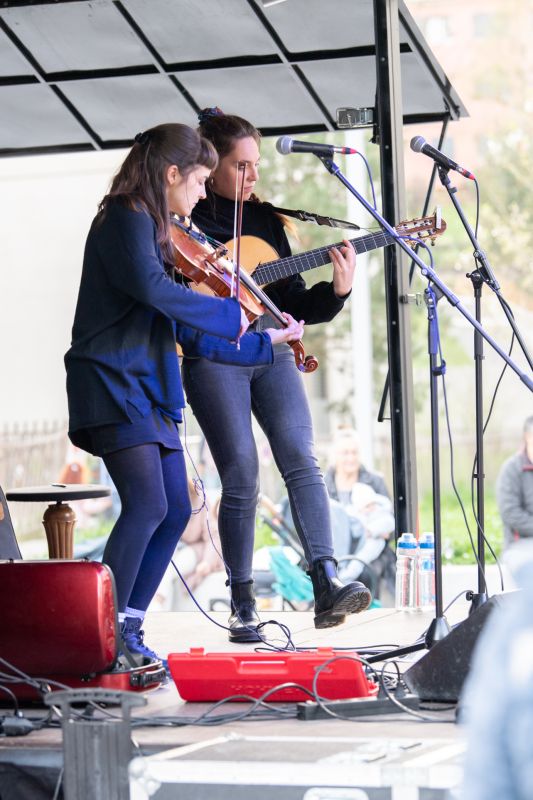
[152, 485]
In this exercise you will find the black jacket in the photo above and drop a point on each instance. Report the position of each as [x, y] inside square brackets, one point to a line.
[214, 217]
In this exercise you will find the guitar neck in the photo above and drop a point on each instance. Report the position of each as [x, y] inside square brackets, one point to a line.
[292, 265]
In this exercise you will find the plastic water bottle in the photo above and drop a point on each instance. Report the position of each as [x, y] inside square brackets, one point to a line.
[406, 573]
[426, 571]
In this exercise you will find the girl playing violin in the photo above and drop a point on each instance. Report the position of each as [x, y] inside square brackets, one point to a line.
[123, 382]
[273, 393]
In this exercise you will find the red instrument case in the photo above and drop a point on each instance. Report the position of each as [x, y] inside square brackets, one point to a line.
[206, 677]
[59, 624]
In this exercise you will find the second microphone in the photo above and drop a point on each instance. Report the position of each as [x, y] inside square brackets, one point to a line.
[285, 145]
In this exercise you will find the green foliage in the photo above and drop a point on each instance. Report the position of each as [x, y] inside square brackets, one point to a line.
[456, 546]
[103, 528]
[264, 535]
[506, 209]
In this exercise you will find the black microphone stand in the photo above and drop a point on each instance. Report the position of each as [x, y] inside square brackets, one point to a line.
[482, 274]
[439, 626]
[477, 599]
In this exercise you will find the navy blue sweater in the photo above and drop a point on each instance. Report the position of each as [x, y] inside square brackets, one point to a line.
[129, 315]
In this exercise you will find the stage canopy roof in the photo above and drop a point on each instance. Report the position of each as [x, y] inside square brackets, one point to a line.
[87, 75]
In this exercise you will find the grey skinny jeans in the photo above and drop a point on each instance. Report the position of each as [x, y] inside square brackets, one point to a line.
[223, 399]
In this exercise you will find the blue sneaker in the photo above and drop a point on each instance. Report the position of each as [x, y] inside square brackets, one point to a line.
[133, 638]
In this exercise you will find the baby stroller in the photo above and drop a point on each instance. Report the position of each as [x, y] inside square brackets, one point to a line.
[362, 555]
[288, 565]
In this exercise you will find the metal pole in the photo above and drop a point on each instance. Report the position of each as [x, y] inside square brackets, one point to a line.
[390, 119]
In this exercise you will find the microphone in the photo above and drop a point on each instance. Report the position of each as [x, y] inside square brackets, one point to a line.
[419, 145]
[286, 145]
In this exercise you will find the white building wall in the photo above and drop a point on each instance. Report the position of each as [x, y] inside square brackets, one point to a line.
[46, 207]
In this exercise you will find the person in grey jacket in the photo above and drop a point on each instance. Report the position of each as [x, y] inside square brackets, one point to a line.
[514, 490]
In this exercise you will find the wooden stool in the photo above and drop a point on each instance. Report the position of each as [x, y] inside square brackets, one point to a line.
[59, 519]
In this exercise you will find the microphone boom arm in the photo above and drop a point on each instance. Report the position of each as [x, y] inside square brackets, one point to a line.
[426, 270]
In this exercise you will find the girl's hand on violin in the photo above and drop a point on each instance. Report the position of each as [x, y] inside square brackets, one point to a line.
[244, 323]
[292, 333]
[343, 260]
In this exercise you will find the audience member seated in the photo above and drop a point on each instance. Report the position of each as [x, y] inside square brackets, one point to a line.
[364, 499]
[346, 469]
[374, 514]
[514, 490]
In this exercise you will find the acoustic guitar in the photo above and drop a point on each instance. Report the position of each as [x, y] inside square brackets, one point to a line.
[265, 266]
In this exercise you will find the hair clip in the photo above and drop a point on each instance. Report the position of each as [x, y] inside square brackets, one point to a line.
[142, 138]
[207, 113]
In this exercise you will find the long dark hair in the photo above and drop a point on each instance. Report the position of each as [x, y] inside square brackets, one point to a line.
[140, 181]
[223, 130]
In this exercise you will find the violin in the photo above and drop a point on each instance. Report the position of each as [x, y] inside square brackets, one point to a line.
[213, 273]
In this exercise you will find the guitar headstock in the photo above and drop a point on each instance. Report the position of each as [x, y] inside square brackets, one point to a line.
[423, 227]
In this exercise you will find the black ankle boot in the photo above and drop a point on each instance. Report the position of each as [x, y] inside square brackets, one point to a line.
[244, 619]
[334, 600]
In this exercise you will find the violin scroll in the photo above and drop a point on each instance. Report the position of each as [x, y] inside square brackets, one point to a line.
[310, 363]
[304, 363]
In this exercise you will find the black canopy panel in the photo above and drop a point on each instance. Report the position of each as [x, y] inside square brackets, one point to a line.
[89, 74]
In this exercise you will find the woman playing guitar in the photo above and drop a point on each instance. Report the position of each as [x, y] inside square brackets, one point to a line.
[274, 394]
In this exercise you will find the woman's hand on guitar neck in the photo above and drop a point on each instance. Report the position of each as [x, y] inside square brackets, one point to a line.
[292, 333]
[343, 260]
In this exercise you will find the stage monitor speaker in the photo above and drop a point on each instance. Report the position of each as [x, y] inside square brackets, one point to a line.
[440, 674]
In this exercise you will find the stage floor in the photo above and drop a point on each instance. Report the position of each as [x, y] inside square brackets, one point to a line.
[434, 749]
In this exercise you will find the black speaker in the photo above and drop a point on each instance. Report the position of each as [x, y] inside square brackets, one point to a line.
[440, 674]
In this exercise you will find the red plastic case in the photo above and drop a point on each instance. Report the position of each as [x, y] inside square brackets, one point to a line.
[207, 677]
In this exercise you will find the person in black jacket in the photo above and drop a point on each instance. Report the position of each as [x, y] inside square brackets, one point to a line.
[274, 394]
[123, 381]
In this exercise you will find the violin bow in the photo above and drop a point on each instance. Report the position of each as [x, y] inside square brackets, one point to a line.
[304, 363]
[237, 229]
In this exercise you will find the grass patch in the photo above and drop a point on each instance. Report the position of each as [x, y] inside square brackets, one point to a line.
[456, 546]
[264, 535]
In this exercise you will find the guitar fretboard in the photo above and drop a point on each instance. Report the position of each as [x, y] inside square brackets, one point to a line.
[292, 265]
